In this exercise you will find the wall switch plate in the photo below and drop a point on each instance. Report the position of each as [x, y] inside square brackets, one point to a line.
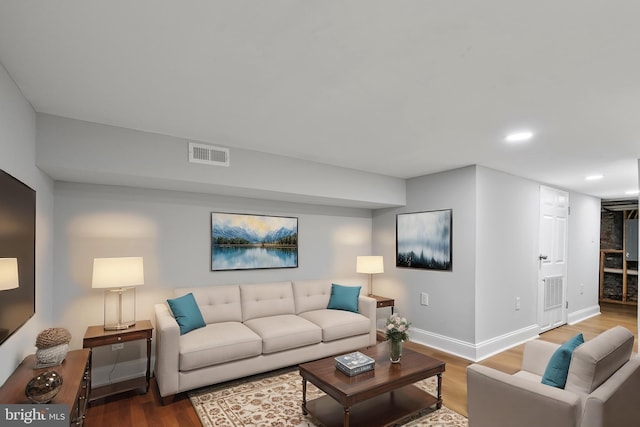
[517, 303]
[115, 347]
[424, 298]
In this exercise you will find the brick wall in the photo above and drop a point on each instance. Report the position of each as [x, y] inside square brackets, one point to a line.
[611, 226]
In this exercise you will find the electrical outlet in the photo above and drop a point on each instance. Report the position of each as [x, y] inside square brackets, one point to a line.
[517, 303]
[115, 347]
[424, 298]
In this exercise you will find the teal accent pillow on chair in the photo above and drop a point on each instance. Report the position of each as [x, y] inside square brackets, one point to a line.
[558, 367]
[344, 298]
[187, 313]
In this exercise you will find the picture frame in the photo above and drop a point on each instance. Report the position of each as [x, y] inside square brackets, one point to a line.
[248, 242]
[424, 240]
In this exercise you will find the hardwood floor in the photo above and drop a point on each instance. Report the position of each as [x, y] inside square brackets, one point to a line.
[134, 410]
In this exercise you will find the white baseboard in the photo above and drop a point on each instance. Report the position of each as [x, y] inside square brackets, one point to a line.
[584, 314]
[474, 352]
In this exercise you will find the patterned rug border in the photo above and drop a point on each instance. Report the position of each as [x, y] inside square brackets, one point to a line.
[239, 403]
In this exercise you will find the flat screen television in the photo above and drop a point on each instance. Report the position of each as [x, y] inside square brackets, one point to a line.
[17, 249]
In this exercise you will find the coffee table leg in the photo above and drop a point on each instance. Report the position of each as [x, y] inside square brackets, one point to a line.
[439, 405]
[304, 396]
[345, 421]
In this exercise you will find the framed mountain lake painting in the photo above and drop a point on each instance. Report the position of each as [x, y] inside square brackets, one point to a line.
[423, 240]
[247, 242]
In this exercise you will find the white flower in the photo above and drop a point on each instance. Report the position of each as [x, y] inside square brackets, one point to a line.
[397, 328]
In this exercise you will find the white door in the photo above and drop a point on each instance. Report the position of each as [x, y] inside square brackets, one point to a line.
[552, 261]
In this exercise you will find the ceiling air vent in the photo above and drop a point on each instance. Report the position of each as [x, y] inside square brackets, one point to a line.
[208, 154]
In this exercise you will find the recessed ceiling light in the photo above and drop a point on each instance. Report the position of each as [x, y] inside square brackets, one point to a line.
[594, 177]
[632, 192]
[519, 136]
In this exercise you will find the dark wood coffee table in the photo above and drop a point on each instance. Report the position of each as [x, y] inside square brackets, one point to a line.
[379, 397]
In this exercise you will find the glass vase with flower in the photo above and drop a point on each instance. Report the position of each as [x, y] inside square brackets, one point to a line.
[396, 332]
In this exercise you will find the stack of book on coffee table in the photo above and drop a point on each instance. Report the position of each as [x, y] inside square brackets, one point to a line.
[354, 363]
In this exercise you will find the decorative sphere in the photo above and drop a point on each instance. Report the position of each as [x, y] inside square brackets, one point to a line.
[43, 387]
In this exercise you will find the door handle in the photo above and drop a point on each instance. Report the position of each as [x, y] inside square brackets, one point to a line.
[541, 257]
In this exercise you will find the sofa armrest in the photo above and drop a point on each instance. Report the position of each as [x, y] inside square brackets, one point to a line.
[615, 402]
[537, 354]
[498, 399]
[367, 307]
[167, 351]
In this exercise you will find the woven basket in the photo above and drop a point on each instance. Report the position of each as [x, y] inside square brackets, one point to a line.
[52, 356]
[52, 337]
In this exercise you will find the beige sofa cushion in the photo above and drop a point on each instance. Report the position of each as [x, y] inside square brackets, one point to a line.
[266, 299]
[284, 332]
[311, 294]
[338, 324]
[596, 360]
[217, 343]
[216, 303]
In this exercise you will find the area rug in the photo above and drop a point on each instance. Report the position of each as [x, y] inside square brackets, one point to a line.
[275, 399]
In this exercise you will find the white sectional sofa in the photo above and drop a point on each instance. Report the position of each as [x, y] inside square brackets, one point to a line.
[256, 328]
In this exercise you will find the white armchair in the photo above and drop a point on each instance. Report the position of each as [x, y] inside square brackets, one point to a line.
[602, 390]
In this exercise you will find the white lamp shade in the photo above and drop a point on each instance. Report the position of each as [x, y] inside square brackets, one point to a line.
[369, 264]
[117, 272]
[8, 274]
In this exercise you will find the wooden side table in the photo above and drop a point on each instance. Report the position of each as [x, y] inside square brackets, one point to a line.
[96, 336]
[76, 383]
[383, 302]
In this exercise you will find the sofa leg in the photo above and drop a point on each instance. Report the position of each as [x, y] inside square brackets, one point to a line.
[167, 400]
[164, 400]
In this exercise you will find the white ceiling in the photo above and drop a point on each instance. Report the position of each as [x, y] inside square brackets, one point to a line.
[401, 88]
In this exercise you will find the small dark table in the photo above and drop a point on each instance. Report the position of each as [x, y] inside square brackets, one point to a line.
[382, 396]
[96, 336]
[383, 301]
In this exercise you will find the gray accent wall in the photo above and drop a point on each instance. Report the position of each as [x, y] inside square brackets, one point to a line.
[17, 157]
[171, 230]
[79, 151]
[122, 192]
[452, 300]
[471, 309]
[507, 259]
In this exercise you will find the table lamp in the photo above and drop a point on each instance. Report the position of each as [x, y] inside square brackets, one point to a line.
[8, 274]
[119, 277]
[369, 265]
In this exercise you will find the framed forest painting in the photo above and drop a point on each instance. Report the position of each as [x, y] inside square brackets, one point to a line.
[423, 240]
[245, 242]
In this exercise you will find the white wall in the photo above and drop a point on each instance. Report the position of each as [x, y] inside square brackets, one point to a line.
[17, 157]
[583, 287]
[449, 319]
[171, 230]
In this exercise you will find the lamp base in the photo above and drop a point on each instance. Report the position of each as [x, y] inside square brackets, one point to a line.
[119, 308]
[119, 326]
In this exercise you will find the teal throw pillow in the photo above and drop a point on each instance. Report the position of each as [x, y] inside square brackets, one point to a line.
[344, 298]
[187, 314]
[558, 368]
